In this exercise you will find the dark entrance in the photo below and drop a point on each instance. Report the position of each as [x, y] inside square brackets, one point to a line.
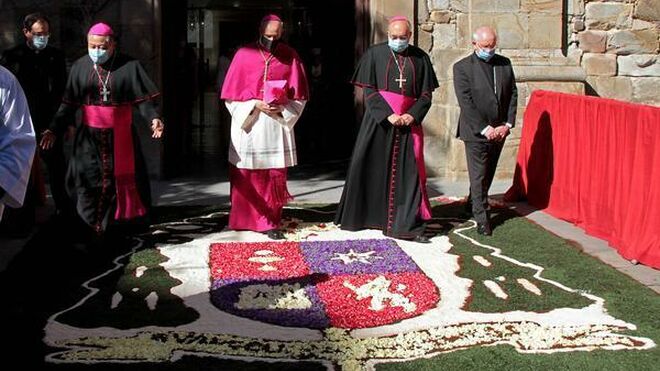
[199, 38]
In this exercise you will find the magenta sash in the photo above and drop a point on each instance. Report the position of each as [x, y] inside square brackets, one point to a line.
[119, 119]
[400, 105]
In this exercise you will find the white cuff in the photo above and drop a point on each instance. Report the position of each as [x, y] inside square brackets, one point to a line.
[486, 129]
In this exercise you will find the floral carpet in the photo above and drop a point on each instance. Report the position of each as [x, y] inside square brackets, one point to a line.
[343, 300]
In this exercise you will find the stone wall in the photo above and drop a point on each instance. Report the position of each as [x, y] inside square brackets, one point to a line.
[617, 43]
[606, 48]
[531, 33]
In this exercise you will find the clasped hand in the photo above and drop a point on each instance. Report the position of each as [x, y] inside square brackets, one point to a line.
[497, 134]
[401, 120]
[269, 109]
[157, 128]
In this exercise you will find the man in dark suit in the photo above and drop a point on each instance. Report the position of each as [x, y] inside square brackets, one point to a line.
[41, 70]
[486, 91]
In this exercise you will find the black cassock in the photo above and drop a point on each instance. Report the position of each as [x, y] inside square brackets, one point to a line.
[383, 189]
[90, 179]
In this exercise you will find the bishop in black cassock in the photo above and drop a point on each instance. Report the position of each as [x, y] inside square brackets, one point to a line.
[107, 176]
[386, 183]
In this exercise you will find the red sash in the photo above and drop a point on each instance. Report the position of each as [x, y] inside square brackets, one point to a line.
[119, 119]
[400, 105]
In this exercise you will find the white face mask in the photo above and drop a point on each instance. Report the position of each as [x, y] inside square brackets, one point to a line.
[485, 53]
[40, 42]
[398, 45]
[98, 55]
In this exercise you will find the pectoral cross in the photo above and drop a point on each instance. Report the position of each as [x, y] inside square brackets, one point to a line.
[105, 93]
[401, 80]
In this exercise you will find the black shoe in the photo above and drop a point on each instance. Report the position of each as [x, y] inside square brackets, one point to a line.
[275, 234]
[421, 239]
[484, 229]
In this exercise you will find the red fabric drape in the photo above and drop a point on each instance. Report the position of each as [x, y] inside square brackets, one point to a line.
[596, 163]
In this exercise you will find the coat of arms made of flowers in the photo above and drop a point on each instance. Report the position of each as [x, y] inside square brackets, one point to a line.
[349, 300]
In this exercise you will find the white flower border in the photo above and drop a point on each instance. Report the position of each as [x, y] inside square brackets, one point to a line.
[441, 329]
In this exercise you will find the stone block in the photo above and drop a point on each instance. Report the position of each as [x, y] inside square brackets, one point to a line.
[426, 27]
[645, 90]
[512, 31]
[593, 41]
[523, 94]
[560, 86]
[437, 152]
[615, 87]
[463, 31]
[546, 33]
[542, 6]
[434, 125]
[438, 4]
[648, 10]
[535, 73]
[508, 5]
[441, 16]
[606, 16]
[423, 12]
[444, 36]
[456, 168]
[451, 122]
[599, 64]
[484, 6]
[574, 55]
[575, 7]
[638, 24]
[506, 165]
[459, 5]
[445, 94]
[633, 42]
[444, 59]
[639, 65]
[440, 121]
[425, 41]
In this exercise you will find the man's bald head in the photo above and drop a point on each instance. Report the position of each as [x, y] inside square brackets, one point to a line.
[484, 37]
[399, 28]
[272, 29]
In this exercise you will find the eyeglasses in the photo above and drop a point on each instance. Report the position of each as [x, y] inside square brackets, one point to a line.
[40, 33]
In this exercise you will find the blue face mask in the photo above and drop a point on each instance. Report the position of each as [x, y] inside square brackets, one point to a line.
[485, 54]
[398, 45]
[98, 55]
[39, 42]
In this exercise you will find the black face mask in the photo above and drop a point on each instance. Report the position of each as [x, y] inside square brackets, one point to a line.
[267, 43]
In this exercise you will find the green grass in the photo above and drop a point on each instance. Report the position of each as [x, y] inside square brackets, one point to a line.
[625, 299]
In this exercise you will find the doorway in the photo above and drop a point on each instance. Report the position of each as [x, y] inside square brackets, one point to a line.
[323, 34]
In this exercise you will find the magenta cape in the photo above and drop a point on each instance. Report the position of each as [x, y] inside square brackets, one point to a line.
[244, 79]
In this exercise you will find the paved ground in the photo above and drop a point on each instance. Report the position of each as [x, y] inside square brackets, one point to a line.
[308, 186]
